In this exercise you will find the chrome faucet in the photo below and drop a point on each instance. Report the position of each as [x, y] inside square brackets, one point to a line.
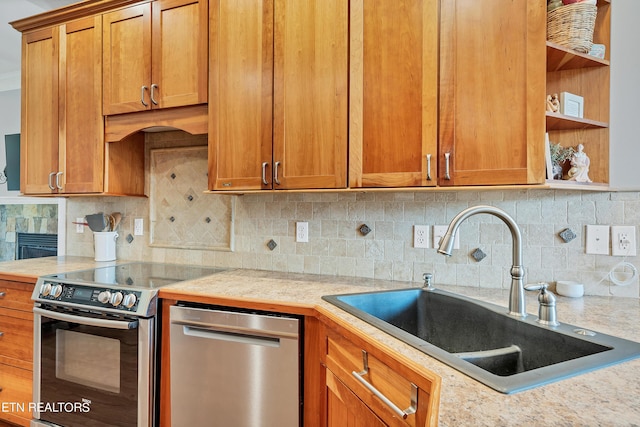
[516, 294]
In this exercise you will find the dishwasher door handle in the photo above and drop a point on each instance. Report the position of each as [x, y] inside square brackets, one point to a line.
[237, 337]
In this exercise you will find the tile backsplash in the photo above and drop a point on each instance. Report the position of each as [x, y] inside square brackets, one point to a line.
[336, 247]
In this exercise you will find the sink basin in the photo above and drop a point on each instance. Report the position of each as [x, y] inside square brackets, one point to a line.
[479, 339]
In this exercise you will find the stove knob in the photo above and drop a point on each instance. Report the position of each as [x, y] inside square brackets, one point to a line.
[104, 297]
[129, 300]
[56, 291]
[116, 299]
[45, 289]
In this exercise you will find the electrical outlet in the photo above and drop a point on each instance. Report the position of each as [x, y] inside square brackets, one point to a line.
[421, 236]
[302, 232]
[439, 232]
[80, 225]
[623, 240]
[597, 238]
[138, 227]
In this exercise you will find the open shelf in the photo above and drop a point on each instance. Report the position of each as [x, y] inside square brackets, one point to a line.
[557, 121]
[562, 58]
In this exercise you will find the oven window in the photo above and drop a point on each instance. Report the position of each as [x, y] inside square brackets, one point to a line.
[78, 354]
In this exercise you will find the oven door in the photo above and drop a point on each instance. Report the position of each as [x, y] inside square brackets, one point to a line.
[92, 369]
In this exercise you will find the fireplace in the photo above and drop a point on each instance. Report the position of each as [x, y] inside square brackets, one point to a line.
[36, 245]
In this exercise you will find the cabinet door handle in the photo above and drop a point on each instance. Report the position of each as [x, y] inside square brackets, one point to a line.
[142, 89]
[3, 294]
[447, 158]
[153, 88]
[264, 173]
[58, 185]
[275, 173]
[1, 334]
[414, 390]
[51, 181]
[428, 167]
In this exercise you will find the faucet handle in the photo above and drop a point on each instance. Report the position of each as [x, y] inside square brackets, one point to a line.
[427, 281]
[540, 286]
[547, 308]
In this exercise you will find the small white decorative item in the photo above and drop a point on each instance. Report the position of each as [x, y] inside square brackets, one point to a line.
[598, 50]
[580, 162]
[571, 105]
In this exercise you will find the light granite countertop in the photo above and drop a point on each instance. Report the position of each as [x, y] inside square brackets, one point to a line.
[605, 397]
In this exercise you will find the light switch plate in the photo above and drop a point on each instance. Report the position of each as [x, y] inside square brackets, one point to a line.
[597, 237]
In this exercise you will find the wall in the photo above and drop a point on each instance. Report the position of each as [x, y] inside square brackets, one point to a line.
[625, 95]
[337, 248]
[9, 124]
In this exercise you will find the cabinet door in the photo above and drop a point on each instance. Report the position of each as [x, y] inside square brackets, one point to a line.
[80, 105]
[393, 93]
[310, 94]
[126, 45]
[492, 82]
[241, 94]
[344, 409]
[179, 56]
[39, 139]
[16, 394]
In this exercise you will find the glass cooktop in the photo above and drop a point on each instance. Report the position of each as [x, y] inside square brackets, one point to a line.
[141, 275]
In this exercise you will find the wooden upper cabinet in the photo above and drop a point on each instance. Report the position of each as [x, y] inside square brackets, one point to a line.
[81, 136]
[62, 148]
[155, 56]
[393, 93]
[241, 94]
[39, 133]
[310, 94]
[492, 92]
[278, 110]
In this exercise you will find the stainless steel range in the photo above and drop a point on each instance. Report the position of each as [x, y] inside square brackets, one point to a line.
[95, 344]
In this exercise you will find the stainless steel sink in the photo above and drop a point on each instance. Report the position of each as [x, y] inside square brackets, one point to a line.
[506, 353]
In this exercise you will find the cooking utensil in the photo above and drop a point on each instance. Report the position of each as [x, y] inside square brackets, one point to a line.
[117, 217]
[97, 222]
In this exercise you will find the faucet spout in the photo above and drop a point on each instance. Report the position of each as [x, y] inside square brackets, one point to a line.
[516, 295]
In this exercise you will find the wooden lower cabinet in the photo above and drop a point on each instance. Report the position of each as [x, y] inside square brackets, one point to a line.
[331, 369]
[345, 409]
[16, 351]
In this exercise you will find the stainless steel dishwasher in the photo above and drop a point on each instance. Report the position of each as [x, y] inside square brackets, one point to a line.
[239, 369]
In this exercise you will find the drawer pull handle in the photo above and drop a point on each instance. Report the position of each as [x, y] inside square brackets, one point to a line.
[414, 390]
[1, 334]
[50, 182]
[142, 89]
[152, 96]
[447, 160]
[3, 294]
[275, 173]
[264, 173]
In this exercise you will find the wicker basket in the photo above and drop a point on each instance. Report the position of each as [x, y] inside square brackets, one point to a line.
[572, 26]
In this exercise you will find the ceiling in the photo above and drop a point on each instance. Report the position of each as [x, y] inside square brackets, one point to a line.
[11, 10]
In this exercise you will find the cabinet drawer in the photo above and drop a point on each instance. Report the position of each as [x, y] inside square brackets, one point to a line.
[15, 394]
[15, 295]
[16, 339]
[344, 359]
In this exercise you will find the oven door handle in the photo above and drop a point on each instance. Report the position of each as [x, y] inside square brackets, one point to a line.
[88, 321]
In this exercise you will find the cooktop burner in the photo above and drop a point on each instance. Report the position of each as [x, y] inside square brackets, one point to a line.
[140, 275]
